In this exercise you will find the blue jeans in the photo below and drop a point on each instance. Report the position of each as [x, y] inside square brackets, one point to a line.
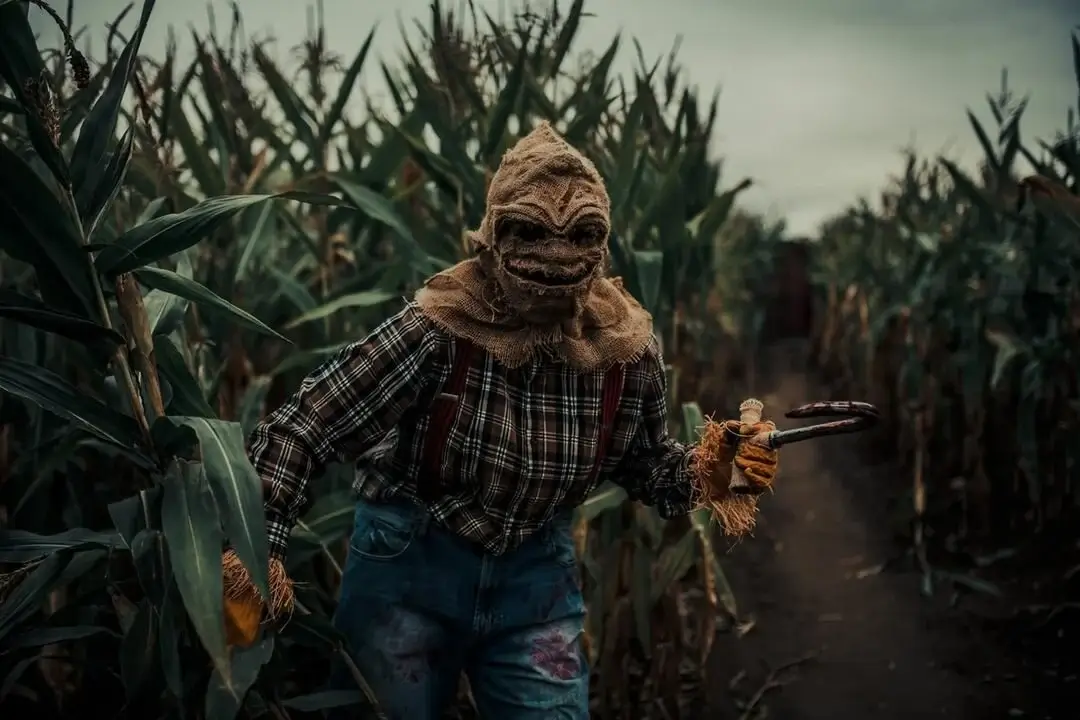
[419, 605]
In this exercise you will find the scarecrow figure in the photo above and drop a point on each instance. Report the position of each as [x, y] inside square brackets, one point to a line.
[479, 417]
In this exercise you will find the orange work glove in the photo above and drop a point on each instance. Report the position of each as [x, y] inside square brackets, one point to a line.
[244, 608]
[758, 464]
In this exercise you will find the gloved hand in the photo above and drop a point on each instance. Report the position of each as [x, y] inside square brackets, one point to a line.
[710, 472]
[758, 464]
[245, 610]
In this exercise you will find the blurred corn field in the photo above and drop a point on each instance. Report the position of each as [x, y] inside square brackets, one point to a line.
[191, 237]
[954, 304]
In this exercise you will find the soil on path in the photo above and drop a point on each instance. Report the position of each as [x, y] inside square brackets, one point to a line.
[838, 635]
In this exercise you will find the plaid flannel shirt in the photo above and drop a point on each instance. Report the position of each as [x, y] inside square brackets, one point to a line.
[521, 446]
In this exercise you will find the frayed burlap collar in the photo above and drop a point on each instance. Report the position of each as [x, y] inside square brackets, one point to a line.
[611, 327]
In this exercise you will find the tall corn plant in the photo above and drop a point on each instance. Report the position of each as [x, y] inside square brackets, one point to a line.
[954, 304]
[143, 483]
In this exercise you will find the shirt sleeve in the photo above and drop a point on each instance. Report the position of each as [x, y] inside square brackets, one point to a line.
[343, 408]
[655, 470]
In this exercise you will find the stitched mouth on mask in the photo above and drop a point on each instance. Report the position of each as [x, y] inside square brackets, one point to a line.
[548, 274]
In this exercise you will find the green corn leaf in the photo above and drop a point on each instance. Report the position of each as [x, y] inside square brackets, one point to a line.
[196, 153]
[192, 527]
[31, 311]
[1076, 58]
[649, 265]
[504, 107]
[187, 396]
[701, 522]
[438, 169]
[597, 83]
[20, 65]
[313, 631]
[165, 311]
[105, 190]
[135, 513]
[674, 562]
[565, 39]
[623, 265]
[151, 211]
[78, 105]
[383, 161]
[1010, 147]
[968, 187]
[662, 198]
[377, 208]
[366, 299]
[627, 155]
[170, 282]
[11, 107]
[452, 143]
[89, 169]
[221, 124]
[348, 82]
[171, 88]
[40, 637]
[225, 693]
[41, 233]
[325, 700]
[236, 488]
[291, 105]
[1009, 349]
[714, 216]
[538, 98]
[693, 420]
[984, 140]
[167, 235]
[253, 403]
[602, 500]
[259, 234]
[307, 360]
[624, 210]
[330, 517]
[21, 546]
[138, 649]
[171, 631]
[394, 85]
[29, 595]
[55, 395]
[586, 117]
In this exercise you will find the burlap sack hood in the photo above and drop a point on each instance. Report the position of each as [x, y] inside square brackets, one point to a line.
[543, 181]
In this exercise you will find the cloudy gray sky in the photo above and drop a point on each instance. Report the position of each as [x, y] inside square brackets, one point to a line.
[818, 96]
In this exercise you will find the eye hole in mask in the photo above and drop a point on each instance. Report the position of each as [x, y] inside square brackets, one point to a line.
[585, 234]
[522, 230]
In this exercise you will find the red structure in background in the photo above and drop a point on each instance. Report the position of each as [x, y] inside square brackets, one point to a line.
[790, 314]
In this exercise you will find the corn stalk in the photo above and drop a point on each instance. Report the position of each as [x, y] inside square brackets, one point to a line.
[953, 305]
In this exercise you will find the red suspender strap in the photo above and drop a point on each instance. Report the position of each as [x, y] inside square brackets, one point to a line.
[442, 414]
[445, 405]
[612, 394]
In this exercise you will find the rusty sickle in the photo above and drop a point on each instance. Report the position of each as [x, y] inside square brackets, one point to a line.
[857, 416]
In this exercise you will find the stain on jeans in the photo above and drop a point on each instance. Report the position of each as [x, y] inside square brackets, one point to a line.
[556, 652]
[409, 644]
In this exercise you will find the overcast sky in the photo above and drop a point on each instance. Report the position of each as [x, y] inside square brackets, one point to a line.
[818, 96]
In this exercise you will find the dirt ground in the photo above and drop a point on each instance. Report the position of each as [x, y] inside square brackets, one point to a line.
[832, 633]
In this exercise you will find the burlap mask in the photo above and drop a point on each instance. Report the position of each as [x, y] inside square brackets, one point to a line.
[537, 283]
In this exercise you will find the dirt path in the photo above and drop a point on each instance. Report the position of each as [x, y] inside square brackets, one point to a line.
[861, 639]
